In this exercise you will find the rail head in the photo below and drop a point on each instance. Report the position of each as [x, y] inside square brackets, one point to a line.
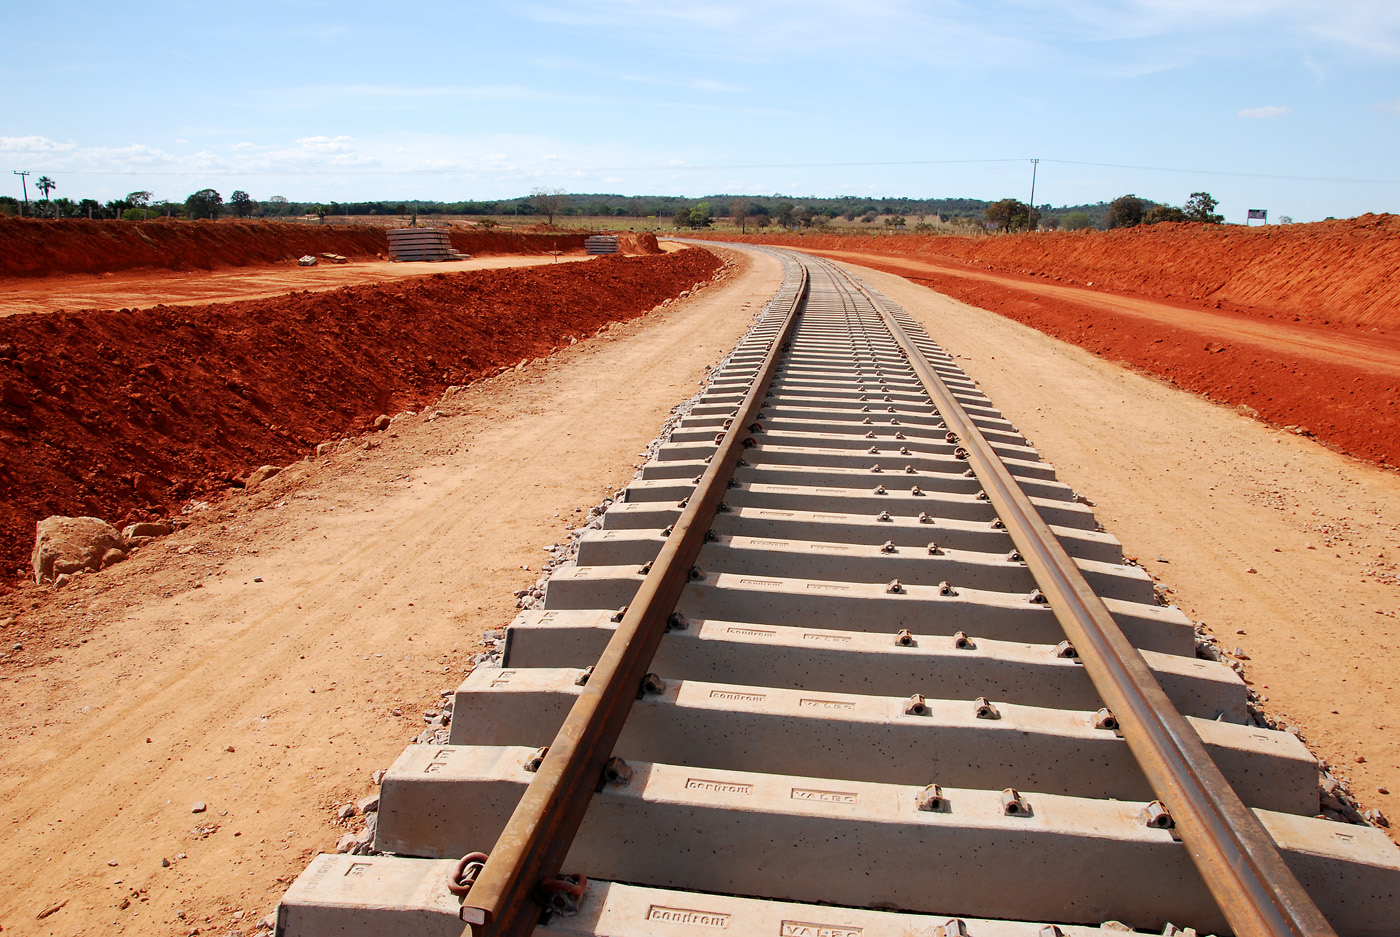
[502, 901]
[1238, 860]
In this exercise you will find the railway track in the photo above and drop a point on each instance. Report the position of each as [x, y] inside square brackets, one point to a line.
[847, 659]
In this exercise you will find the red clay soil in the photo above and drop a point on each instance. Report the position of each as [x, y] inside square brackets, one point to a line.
[1345, 271]
[489, 243]
[125, 414]
[1353, 407]
[32, 247]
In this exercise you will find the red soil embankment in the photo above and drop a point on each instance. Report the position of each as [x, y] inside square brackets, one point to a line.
[1352, 407]
[123, 415]
[32, 247]
[480, 243]
[1345, 271]
[642, 242]
[488, 243]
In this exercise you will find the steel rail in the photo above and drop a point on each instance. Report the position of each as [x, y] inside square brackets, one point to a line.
[536, 839]
[1240, 863]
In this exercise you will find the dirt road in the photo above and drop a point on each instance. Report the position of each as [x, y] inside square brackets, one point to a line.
[138, 289]
[294, 645]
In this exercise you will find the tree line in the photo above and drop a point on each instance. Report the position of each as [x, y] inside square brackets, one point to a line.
[1126, 211]
[758, 211]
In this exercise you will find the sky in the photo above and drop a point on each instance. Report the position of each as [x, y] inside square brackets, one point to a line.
[1292, 106]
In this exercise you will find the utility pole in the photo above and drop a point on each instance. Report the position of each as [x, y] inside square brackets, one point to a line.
[1035, 165]
[24, 182]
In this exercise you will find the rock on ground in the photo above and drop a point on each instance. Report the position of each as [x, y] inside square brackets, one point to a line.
[260, 476]
[64, 545]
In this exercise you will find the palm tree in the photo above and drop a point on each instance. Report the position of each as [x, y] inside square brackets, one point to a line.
[46, 185]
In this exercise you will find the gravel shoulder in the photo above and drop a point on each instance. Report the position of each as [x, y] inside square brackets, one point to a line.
[1287, 550]
[267, 659]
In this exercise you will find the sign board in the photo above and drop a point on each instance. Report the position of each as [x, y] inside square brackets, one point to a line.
[1258, 214]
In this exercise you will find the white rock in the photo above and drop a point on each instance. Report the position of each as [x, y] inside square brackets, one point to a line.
[68, 544]
[260, 476]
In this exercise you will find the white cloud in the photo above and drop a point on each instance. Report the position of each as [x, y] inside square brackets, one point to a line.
[33, 146]
[307, 154]
[1392, 106]
[1272, 110]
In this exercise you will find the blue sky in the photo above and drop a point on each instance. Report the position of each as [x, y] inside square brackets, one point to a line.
[1288, 105]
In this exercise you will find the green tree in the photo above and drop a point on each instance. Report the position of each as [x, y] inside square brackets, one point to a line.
[242, 203]
[46, 185]
[140, 199]
[894, 221]
[321, 210]
[1160, 213]
[697, 217]
[279, 206]
[1126, 211]
[1011, 214]
[1076, 221]
[1201, 207]
[206, 203]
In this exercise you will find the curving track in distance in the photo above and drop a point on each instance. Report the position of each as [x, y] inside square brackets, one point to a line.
[847, 659]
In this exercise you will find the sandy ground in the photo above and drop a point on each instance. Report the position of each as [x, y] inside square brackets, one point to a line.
[266, 660]
[1286, 550]
[138, 289]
